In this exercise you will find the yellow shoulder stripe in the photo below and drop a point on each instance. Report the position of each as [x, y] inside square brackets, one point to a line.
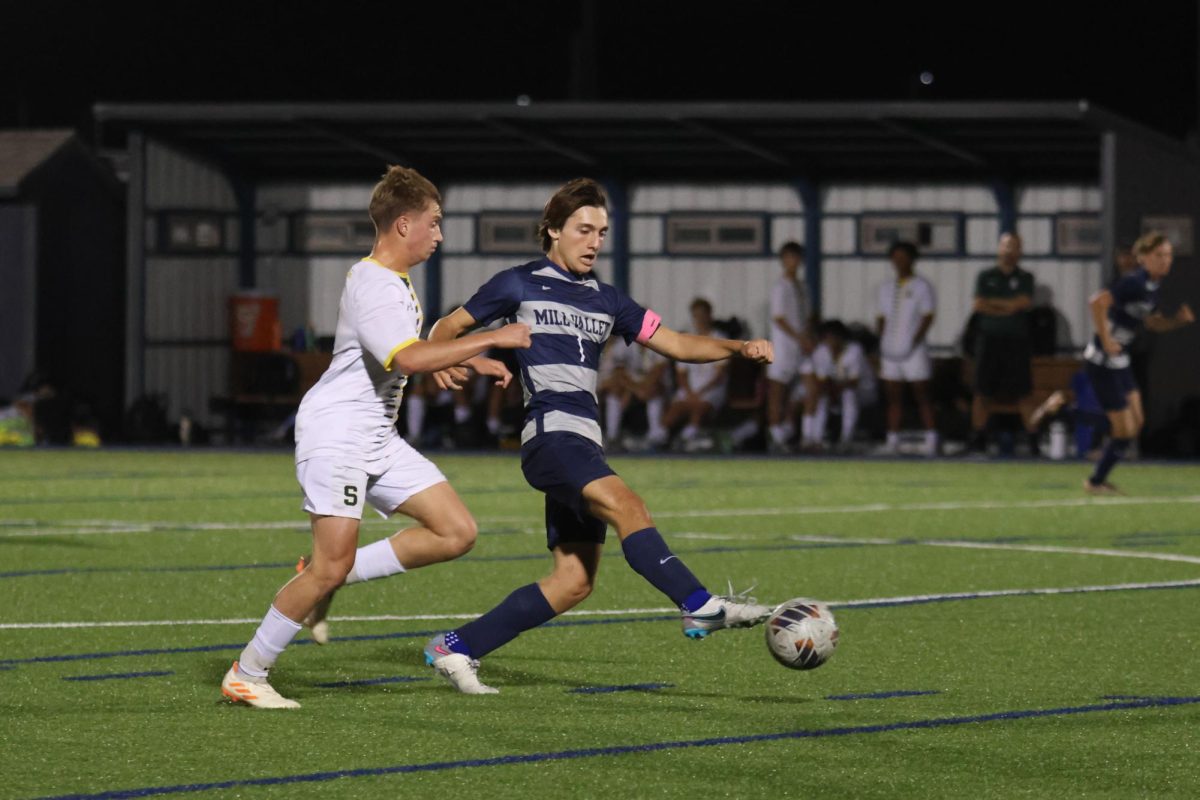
[387, 364]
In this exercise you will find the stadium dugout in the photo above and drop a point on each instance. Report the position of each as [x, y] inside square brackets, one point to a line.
[270, 197]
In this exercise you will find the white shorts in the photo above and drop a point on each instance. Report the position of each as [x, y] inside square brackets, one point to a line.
[786, 363]
[339, 491]
[917, 367]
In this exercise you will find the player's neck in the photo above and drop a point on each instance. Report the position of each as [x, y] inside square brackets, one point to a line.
[391, 257]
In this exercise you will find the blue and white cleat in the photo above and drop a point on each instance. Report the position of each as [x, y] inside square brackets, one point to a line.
[460, 670]
[724, 611]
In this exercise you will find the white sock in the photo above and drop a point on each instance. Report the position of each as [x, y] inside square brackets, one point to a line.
[893, 439]
[778, 434]
[273, 635]
[808, 429]
[820, 418]
[493, 425]
[654, 413]
[612, 415]
[690, 432]
[744, 431]
[931, 441]
[849, 414]
[375, 560]
[461, 414]
[414, 409]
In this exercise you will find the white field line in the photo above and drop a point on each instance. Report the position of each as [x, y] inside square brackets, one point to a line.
[900, 600]
[1027, 548]
[15, 528]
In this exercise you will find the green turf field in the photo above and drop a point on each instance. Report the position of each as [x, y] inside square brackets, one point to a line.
[1089, 694]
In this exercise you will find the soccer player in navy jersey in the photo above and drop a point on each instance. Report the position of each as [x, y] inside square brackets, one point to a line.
[571, 315]
[1119, 313]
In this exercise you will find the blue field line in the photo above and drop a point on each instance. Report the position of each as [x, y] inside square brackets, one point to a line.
[622, 750]
[111, 676]
[624, 687]
[881, 695]
[545, 555]
[369, 682]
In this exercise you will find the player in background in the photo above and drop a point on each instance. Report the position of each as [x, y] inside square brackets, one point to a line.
[904, 309]
[701, 385]
[789, 315]
[348, 452]
[572, 314]
[1119, 313]
[839, 372]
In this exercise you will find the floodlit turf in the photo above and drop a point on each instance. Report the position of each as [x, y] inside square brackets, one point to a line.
[1091, 694]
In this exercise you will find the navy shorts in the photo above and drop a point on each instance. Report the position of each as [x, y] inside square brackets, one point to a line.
[1112, 386]
[559, 465]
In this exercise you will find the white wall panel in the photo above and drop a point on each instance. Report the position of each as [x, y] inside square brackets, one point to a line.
[1037, 235]
[458, 234]
[340, 197]
[646, 234]
[786, 229]
[188, 298]
[175, 180]
[462, 198]
[838, 236]
[1070, 198]
[288, 279]
[735, 287]
[856, 198]
[1067, 285]
[188, 377]
[779, 198]
[983, 234]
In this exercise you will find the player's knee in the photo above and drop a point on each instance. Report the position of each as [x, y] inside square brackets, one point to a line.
[576, 588]
[331, 573]
[461, 534]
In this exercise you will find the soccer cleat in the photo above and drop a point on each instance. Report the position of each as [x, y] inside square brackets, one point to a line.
[315, 621]
[255, 692]
[728, 611]
[1099, 489]
[460, 670]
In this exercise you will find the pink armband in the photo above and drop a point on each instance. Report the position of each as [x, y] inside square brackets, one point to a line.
[650, 324]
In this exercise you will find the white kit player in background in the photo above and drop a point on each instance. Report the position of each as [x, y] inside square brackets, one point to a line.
[904, 314]
[348, 451]
[789, 317]
[840, 373]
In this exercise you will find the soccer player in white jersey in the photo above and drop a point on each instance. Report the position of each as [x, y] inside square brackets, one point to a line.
[348, 452]
[904, 309]
[701, 386]
[840, 373]
[789, 316]
[572, 314]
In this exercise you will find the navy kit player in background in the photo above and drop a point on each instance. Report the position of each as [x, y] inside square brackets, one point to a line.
[1119, 313]
[571, 315]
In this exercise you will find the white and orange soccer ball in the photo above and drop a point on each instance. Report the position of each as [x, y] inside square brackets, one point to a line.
[802, 633]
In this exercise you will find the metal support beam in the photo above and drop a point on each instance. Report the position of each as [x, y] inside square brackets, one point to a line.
[1108, 200]
[618, 232]
[135, 270]
[810, 196]
[247, 208]
[1006, 204]
[734, 141]
[936, 142]
[539, 140]
[356, 143]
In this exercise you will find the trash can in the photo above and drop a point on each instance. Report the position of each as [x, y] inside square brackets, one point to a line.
[254, 317]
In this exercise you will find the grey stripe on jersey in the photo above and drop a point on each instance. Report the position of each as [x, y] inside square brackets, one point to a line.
[553, 421]
[560, 318]
[563, 378]
[551, 272]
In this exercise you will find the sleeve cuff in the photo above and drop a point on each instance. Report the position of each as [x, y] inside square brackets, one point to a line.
[387, 364]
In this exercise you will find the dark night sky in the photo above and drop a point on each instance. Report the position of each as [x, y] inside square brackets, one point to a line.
[57, 58]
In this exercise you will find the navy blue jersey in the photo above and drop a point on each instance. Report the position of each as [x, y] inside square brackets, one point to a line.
[570, 318]
[1135, 297]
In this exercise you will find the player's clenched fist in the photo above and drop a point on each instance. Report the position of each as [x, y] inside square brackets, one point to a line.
[514, 335]
[758, 350]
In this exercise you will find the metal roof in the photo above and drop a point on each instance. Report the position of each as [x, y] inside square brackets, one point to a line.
[844, 140]
[23, 151]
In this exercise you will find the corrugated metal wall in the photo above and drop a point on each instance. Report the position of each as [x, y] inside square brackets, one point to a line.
[187, 297]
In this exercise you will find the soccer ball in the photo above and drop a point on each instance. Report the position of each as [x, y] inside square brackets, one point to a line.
[801, 633]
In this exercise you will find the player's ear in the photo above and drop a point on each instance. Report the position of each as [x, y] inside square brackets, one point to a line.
[401, 225]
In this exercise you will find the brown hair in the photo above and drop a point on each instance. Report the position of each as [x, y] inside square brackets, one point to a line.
[1149, 242]
[400, 191]
[572, 196]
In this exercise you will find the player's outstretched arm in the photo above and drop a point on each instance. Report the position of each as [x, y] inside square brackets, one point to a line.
[1158, 323]
[700, 349]
[435, 355]
[448, 329]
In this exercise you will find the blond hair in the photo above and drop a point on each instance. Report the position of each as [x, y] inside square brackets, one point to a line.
[400, 191]
[1149, 242]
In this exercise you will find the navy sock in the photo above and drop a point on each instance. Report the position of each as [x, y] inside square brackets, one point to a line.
[525, 608]
[1113, 452]
[649, 556]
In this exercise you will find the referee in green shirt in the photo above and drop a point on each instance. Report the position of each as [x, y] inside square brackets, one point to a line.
[1003, 351]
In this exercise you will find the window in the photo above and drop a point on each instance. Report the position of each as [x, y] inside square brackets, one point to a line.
[191, 232]
[509, 233]
[330, 232]
[690, 235]
[1078, 236]
[933, 234]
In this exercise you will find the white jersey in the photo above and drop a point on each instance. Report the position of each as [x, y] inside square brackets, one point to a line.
[789, 301]
[350, 414]
[852, 364]
[902, 304]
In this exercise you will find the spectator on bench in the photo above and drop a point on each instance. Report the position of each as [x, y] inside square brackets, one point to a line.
[631, 376]
[700, 391]
[838, 373]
